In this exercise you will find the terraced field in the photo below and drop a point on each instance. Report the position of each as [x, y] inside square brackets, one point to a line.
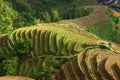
[93, 64]
[79, 53]
[54, 40]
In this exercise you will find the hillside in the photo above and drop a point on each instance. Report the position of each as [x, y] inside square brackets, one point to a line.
[97, 22]
[103, 28]
[98, 14]
[59, 40]
[93, 64]
[55, 44]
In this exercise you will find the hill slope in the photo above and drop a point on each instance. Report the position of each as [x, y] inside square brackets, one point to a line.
[54, 44]
[98, 14]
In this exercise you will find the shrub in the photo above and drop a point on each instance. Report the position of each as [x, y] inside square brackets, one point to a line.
[55, 15]
[78, 12]
[25, 13]
[24, 19]
[22, 6]
[22, 47]
[110, 14]
[7, 16]
[47, 17]
[9, 66]
[51, 16]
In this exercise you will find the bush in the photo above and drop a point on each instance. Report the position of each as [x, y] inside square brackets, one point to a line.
[25, 13]
[24, 19]
[22, 6]
[22, 47]
[5, 25]
[78, 12]
[115, 19]
[51, 16]
[55, 15]
[9, 66]
[47, 17]
[7, 17]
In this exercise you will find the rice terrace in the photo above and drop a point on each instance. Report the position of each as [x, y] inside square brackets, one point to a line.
[60, 40]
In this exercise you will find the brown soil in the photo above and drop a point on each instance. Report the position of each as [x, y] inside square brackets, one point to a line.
[109, 65]
[92, 65]
[59, 75]
[15, 78]
[116, 13]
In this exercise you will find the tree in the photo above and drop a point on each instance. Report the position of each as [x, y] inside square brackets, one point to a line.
[51, 16]
[9, 66]
[7, 17]
[22, 48]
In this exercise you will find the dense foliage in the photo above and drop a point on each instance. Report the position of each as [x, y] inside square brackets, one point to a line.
[12, 17]
[7, 17]
[9, 66]
[10, 62]
[21, 13]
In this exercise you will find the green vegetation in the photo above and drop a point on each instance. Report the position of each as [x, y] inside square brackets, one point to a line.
[37, 36]
[11, 18]
[51, 47]
[9, 66]
[52, 16]
[56, 45]
[22, 47]
[106, 30]
[110, 14]
[25, 14]
[78, 12]
[7, 17]
[16, 14]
